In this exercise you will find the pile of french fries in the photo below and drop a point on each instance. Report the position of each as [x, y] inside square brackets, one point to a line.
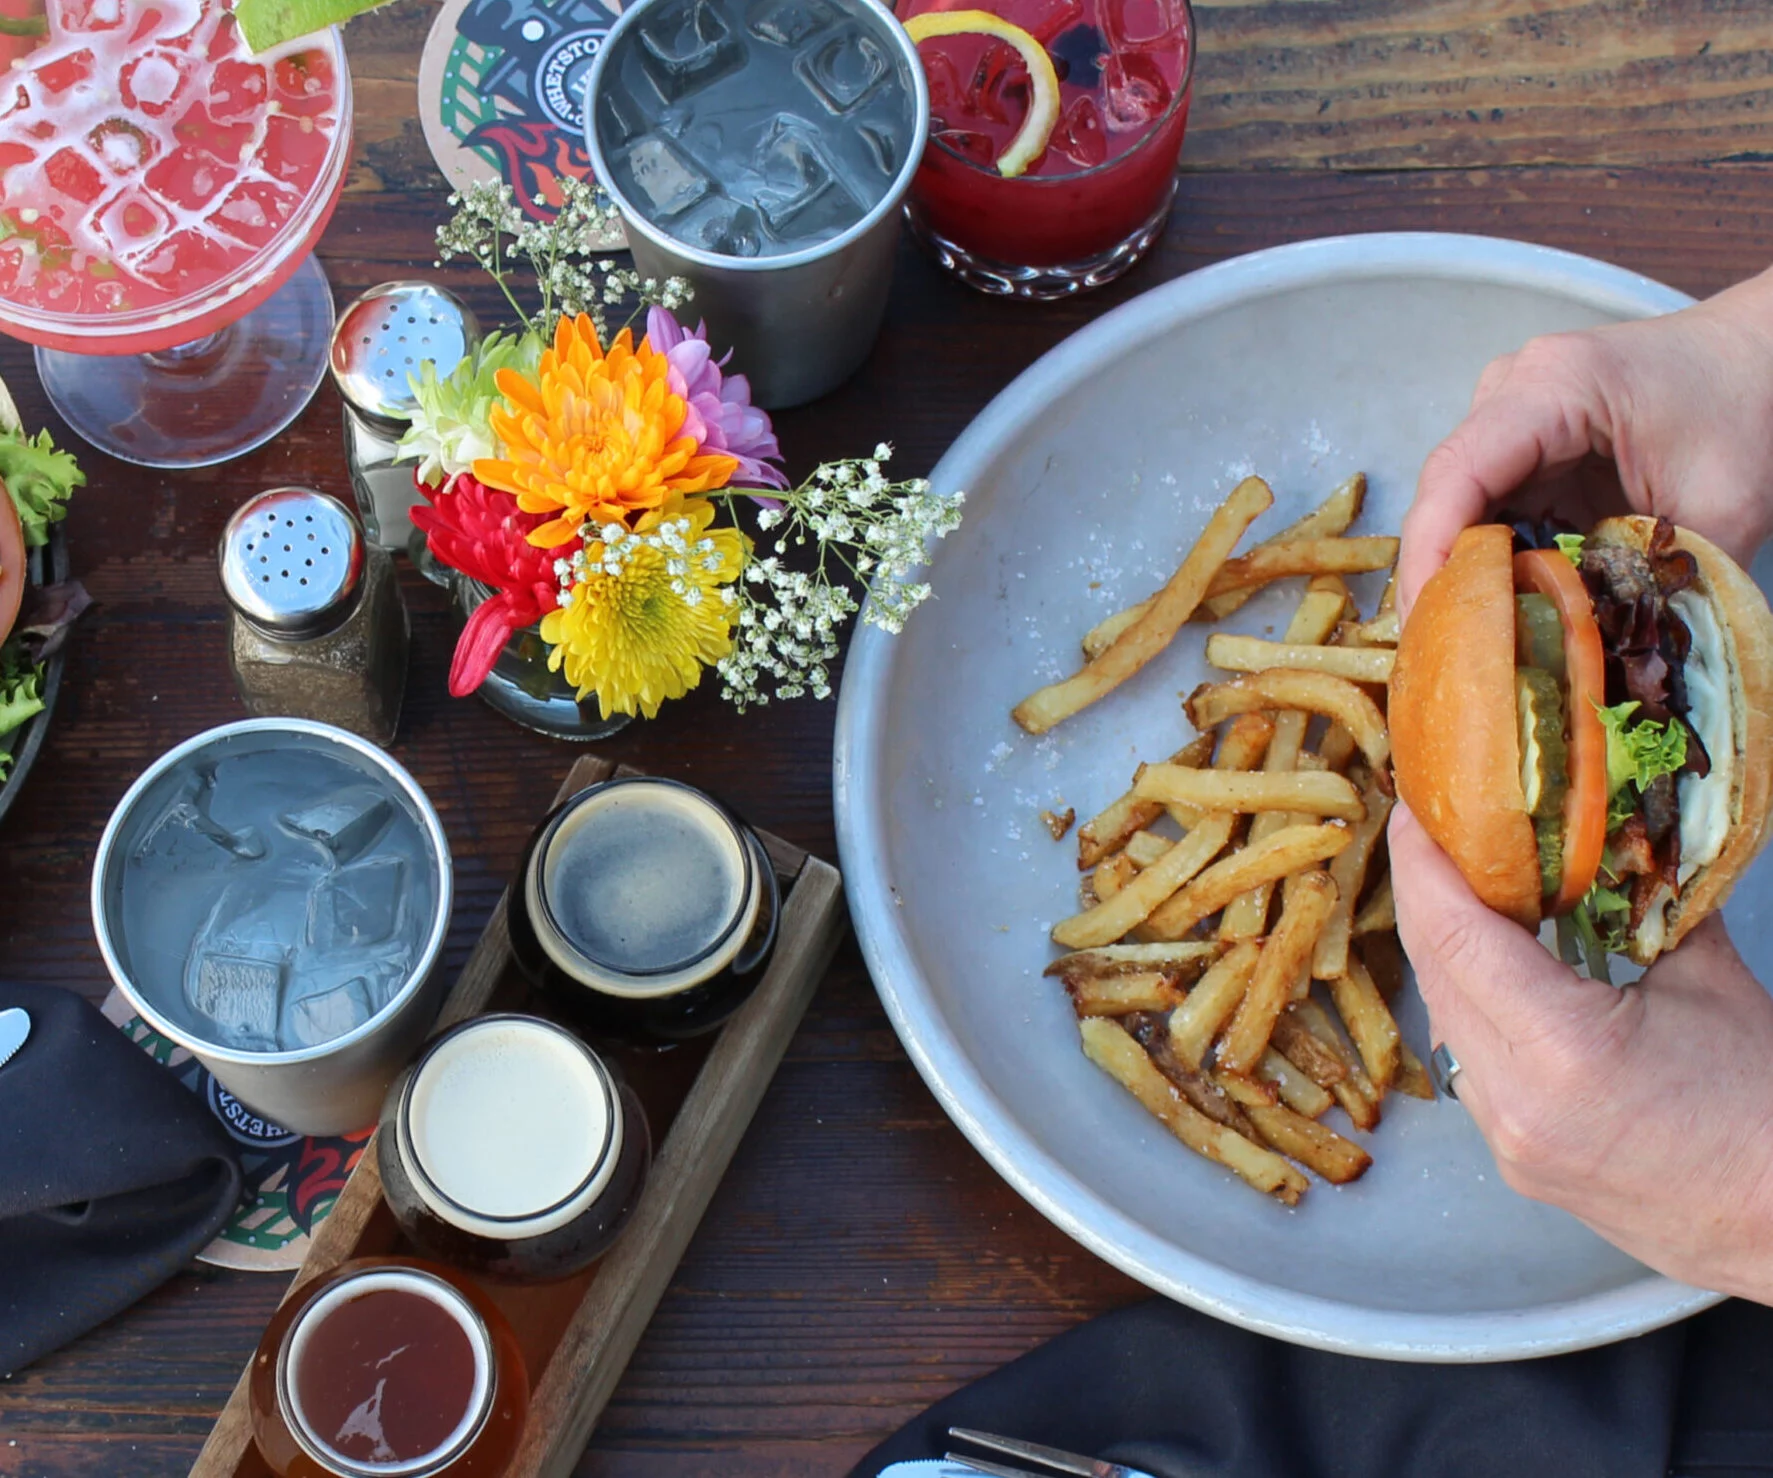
[1237, 943]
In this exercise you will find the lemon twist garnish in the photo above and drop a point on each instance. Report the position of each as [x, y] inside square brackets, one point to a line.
[1043, 103]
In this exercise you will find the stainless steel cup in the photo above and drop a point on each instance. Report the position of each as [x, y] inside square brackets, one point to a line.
[799, 324]
[337, 1086]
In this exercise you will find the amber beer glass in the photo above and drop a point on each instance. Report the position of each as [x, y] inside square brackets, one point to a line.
[645, 909]
[511, 1149]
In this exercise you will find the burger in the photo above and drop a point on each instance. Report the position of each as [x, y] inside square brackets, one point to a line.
[1584, 724]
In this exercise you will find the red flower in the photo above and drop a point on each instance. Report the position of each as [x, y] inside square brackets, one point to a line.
[484, 534]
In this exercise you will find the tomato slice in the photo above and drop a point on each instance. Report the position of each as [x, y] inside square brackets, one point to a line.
[12, 563]
[1549, 573]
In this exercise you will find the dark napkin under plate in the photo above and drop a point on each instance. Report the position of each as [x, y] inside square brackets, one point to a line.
[112, 1176]
[1180, 1395]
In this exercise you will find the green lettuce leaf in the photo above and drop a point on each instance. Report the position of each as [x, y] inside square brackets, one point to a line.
[1570, 546]
[1599, 923]
[1638, 754]
[40, 479]
[21, 695]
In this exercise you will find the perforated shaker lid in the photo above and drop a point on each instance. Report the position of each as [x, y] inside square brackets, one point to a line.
[385, 336]
[292, 559]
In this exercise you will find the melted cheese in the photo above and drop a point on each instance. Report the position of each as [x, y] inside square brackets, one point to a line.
[1705, 803]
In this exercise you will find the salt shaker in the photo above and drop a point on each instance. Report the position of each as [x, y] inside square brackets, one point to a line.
[380, 340]
[318, 629]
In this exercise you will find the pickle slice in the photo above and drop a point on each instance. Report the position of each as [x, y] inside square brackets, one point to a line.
[1548, 832]
[1538, 635]
[1545, 754]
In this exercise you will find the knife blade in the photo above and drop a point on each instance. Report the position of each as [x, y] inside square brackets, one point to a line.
[15, 1026]
[925, 1467]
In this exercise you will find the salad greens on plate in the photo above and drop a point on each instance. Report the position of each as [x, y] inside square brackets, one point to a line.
[34, 620]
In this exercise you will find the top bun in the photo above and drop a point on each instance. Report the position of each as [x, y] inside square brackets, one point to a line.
[1747, 627]
[1455, 743]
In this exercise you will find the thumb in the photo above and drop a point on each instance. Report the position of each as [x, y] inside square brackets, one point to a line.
[1484, 978]
[1706, 963]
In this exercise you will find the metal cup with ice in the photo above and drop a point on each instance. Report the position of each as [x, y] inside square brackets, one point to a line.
[273, 896]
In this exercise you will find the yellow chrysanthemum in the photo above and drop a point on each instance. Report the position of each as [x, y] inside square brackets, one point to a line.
[644, 635]
[594, 436]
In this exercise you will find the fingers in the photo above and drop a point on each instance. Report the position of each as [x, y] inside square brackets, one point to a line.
[1541, 413]
[1474, 965]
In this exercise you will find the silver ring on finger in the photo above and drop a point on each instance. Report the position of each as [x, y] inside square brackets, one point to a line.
[1446, 1070]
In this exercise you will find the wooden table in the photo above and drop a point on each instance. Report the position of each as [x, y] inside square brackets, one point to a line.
[860, 1260]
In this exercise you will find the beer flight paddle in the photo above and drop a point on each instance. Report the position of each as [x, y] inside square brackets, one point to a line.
[574, 1334]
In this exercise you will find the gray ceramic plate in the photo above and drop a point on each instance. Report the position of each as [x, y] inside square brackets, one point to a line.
[1085, 480]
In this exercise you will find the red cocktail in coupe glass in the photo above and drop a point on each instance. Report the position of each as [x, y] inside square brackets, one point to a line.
[1093, 202]
[161, 191]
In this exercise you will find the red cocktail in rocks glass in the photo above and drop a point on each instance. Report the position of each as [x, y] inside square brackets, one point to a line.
[1091, 205]
[160, 195]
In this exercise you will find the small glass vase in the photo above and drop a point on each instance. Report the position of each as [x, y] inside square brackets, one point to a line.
[522, 687]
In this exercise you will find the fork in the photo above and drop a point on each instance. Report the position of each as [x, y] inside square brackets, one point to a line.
[1060, 1461]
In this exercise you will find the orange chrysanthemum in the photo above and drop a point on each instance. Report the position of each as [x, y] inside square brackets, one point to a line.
[595, 436]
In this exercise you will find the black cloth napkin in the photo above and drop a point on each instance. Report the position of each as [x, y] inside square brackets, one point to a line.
[1179, 1395]
[112, 1175]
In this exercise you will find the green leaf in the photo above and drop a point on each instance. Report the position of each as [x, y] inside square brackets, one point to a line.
[269, 23]
[1640, 753]
[1599, 923]
[1570, 546]
[40, 479]
[21, 693]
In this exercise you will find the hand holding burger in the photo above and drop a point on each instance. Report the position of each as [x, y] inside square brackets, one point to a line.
[1642, 1110]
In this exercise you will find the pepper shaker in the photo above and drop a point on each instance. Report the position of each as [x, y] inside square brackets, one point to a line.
[379, 341]
[317, 629]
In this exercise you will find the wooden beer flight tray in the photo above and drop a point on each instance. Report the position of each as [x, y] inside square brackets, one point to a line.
[577, 1334]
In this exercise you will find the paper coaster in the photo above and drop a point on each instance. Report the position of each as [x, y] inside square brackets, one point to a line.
[502, 94]
[292, 1180]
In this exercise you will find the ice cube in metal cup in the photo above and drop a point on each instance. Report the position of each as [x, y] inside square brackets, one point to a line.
[687, 45]
[801, 197]
[345, 824]
[723, 226]
[358, 905]
[844, 69]
[787, 23]
[327, 1015]
[668, 182]
[239, 996]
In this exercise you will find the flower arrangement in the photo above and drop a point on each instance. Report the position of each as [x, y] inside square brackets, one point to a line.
[595, 483]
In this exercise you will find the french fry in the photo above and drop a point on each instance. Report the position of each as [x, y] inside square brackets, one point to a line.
[1296, 1090]
[1315, 1146]
[1315, 692]
[1336, 748]
[1144, 848]
[1368, 1021]
[1107, 1045]
[1246, 917]
[1195, 1023]
[1283, 559]
[1121, 995]
[1331, 517]
[1294, 1040]
[1058, 823]
[1151, 1032]
[1213, 790]
[1384, 958]
[1412, 1077]
[1244, 743]
[1388, 599]
[1357, 1093]
[1154, 630]
[1108, 831]
[1288, 850]
[1348, 870]
[1284, 954]
[1112, 874]
[1252, 654]
[1378, 912]
[1382, 630]
[1134, 903]
[1184, 960]
[1246, 1093]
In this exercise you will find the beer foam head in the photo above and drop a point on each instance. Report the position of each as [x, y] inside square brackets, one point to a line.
[514, 1124]
[649, 885]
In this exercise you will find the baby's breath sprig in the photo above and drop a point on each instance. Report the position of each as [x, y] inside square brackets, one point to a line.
[858, 522]
[563, 255]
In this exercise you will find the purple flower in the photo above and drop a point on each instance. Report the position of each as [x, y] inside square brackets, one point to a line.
[721, 415]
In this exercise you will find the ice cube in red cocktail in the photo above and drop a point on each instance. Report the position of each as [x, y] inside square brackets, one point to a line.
[1095, 198]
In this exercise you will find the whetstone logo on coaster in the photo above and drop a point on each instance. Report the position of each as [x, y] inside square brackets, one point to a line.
[502, 93]
[291, 1181]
